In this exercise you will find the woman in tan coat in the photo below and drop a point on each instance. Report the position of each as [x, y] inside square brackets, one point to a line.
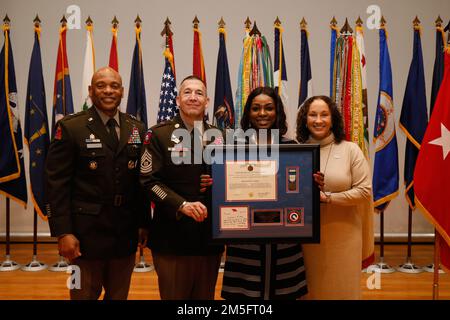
[333, 267]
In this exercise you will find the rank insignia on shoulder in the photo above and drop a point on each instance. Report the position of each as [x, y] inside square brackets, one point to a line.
[58, 133]
[135, 138]
[148, 136]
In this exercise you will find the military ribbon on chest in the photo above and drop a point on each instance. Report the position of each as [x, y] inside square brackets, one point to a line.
[134, 138]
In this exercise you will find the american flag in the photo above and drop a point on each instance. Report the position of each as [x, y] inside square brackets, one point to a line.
[167, 104]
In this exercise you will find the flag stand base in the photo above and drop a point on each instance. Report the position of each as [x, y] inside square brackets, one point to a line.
[142, 266]
[60, 266]
[430, 268]
[34, 265]
[9, 265]
[380, 267]
[409, 267]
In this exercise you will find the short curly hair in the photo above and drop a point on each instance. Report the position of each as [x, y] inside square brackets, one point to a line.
[337, 124]
[280, 122]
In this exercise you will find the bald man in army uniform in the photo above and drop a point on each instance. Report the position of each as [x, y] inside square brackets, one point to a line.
[94, 203]
[186, 264]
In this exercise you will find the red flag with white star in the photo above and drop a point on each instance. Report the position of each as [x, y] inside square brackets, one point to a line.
[432, 171]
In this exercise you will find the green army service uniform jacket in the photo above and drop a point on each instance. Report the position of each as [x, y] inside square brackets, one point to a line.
[93, 191]
[168, 185]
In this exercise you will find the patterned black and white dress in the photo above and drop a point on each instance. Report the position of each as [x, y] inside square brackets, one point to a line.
[264, 271]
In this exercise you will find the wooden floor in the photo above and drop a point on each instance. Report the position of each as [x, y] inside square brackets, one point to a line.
[46, 285]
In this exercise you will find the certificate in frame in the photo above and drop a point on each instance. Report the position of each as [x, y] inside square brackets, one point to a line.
[265, 194]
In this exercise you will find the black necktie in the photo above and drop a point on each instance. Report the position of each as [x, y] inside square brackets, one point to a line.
[111, 124]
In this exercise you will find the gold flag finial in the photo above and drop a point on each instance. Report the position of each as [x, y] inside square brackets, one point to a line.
[438, 21]
[6, 20]
[221, 23]
[359, 22]
[89, 21]
[333, 22]
[63, 20]
[255, 30]
[247, 23]
[195, 22]
[277, 22]
[138, 21]
[303, 24]
[166, 30]
[416, 22]
[382, 21]
[115, 22]
[37, 21]
[346, 29]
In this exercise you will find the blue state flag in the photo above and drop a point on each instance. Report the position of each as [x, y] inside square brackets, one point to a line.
[36, 127]
[137, 103]
[223, 97]
[414, 118]
[12, 173]
[334, 31]
[385, 173]
[438, 69]
[167, 97]
[305, 68]
[279, 67]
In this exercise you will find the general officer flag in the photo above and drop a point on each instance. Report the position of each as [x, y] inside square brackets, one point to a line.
[432, 171]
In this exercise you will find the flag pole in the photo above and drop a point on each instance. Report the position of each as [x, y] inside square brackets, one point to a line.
[34, 265]
[8, 264]
[381, 266]
[409, 266]
[430, 267]
[61, 265]
[437, 244]
[141, 265]
[405, 124]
